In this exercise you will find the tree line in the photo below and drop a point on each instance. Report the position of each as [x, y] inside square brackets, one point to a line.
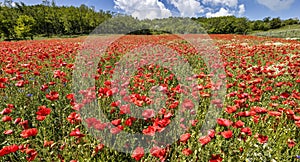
[20, 21]
[242, 25]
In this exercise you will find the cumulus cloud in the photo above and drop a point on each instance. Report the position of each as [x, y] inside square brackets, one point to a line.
[241, 10]
[221, 12]
[187, 8]
[143, 9]
[13, 4]
[276, 5]
[151, 9]
[229, 3]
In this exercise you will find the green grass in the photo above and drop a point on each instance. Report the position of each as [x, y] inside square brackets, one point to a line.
[290, 31]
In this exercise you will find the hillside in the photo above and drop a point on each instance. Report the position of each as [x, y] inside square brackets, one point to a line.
[290, 32]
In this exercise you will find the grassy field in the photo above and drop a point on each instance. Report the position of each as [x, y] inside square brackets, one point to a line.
[291, 31]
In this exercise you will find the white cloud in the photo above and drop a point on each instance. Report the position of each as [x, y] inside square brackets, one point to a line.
[13, 4]
[221, 12]
[143, 9]
[151, 9]
[276, 5]
[241, 10]
[229, 3]
[187, 8]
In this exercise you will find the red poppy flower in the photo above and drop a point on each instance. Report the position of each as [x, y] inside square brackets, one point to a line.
[116, 122]
[187, 151]
[91, 121]
[261, 139]
[116, 103]
[259, 110]
[70, 96]
[8, 149]
[284, 95]
[162, 123]
[44, 87]
[224, 122]
[116, 130]
[255, 118]
[29, 133]
[216, 158]
[149, 113]
[150, 131]
[239, 124]
[17, 120]
[6, 111]
[10, 106]
[188, 104]
[289, 112]
[158, 152]
[194, 122]
[24, 124]
[274, 113]
[3, 80]
[52, 96]
[138, 103]
[185, 137]
[32, 154]
[20, 83]
[51, 83]
[204, 140]
[74, 118]
[125, 109]
[246, 113]
[138, 153]
[274, 98]
[247, 131]
[6, 118]
[211, 133]
[128, 122]
[76, 133]
[98, 148]
[58, 74]
[168, 115]
[291, 143]
[231, 109]
[7, 132]
[40, 118]
[279, 84]
[43, 111]
[296, 118]
[227, 134]
[2, 85]
[100, 126]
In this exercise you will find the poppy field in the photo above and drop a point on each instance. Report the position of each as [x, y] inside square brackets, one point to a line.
[257, 117]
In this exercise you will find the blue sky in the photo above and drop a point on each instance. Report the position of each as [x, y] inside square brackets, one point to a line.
[253, 9]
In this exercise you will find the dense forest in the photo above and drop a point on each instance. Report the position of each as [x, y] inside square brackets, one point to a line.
[20, 21]
[47, 19]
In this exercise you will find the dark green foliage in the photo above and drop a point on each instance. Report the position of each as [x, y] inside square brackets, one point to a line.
[148, 32]
[48, 20]
[241, 25]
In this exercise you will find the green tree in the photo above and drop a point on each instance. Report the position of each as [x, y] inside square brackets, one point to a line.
[275, 23]
[24, 26]
[7, 21]
[241, 25]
